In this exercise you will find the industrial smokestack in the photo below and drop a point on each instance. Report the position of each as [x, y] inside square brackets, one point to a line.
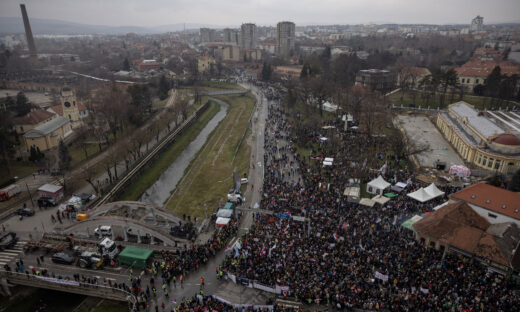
[28, 32]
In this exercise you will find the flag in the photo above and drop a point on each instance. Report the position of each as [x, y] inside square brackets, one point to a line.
[335, 235]
[313, 259]
[173, 300]
[290, 243]
[271, 249]
[262, 252]
[345, 225]
[383, 169]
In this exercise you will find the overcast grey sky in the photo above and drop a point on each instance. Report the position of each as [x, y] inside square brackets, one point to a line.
[265, 12]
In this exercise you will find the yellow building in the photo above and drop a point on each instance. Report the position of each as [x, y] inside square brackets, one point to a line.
[49, 134]
[205, 63]
[487, 140]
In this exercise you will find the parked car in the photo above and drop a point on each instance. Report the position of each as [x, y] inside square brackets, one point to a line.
[62, 258]
[8, 240]
[235, 197]
[244, 181]
[46, 202]
[26, 212]
[104, 230]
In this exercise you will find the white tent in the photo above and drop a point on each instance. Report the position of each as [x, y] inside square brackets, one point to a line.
[377, 186]
[222, 221]
[224, 213]
[433, 191]
[367, 202]
[420, 195]
[380, 199]
[327, 163]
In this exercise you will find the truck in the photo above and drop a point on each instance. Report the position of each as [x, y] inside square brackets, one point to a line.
[8, 240]
[90, 259]
[9, 192]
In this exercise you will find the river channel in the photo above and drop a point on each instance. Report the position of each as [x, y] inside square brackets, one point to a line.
[160, 191]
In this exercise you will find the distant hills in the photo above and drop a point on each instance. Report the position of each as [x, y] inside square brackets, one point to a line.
[14, 25]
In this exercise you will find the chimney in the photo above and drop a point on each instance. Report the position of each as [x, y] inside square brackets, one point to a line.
[28, 32]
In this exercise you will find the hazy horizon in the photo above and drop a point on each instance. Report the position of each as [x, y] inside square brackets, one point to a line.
[154, 13]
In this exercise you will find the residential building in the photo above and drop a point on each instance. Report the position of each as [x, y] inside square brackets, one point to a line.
[231, 36]
[492, 203]
[488, 140]
[248, 36]
[475, 72]
[205, 63]
[230, 53]
[411, 76]
[269, 47]
[252, 54]
[477, 24]
[458, 228]
[48, 135]
[376, 79]
[288, 72]
[33, 119]
[207, 35]
[285, 38]
[147, 65]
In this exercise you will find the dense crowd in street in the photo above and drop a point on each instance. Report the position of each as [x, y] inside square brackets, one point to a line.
[352, 256]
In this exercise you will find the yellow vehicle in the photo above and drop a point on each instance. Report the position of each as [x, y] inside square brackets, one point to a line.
[82, 216]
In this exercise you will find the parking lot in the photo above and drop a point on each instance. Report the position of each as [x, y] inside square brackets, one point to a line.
[420, 131]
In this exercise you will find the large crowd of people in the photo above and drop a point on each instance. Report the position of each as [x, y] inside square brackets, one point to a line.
[351, 256]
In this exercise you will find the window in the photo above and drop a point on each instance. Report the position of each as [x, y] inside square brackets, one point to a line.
[463, 80]
[492, 215]
[479, 158]
[476, 80]
[70, 118]
[370, 189]
[497, 164]
[490, 163]
[484, 161]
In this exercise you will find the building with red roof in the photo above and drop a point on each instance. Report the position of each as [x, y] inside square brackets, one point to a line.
[475, 72]
[457, 227]
[33, 119]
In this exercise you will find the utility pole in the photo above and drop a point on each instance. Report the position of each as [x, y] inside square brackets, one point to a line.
[32, 203]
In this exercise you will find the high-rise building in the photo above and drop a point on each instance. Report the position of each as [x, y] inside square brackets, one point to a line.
[477, 23]
[207, 35]
[231, 35]
[28, 32]
[285, 37]
[248, 36]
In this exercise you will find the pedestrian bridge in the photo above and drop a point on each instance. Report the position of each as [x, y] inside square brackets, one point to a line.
[9, 279]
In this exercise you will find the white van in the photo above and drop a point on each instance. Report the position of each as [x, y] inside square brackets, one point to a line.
[104, 230]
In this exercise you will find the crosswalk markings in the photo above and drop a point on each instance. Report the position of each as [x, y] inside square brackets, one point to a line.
[10, 254]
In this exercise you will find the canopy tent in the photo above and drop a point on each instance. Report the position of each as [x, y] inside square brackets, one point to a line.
[460, 170]
[136, 257]
[410, 222]
[390, 195]
[401, 184]
[327, 163]
[323, 139]
[329, 107]
[229, 206]
[377, 186]
[367, 202]
[352, 192]
[420, 195]
[433, 190]
[396, 188]
[222, 221]
[380, 199]
[224, 213]
[329, 159]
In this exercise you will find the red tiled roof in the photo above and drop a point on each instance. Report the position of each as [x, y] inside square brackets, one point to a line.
[34, 117]
[418, 71]
[507, 139]
[458, 225]
[492, 198]
[58, 109]
[477, 68]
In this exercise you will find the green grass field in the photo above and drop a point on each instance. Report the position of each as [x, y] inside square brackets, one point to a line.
[134, 191]
[209, 176]
[480, 102]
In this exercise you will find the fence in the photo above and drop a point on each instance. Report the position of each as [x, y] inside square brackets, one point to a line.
[279, 290]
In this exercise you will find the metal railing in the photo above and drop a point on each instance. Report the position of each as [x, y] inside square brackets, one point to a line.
[68, 285]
